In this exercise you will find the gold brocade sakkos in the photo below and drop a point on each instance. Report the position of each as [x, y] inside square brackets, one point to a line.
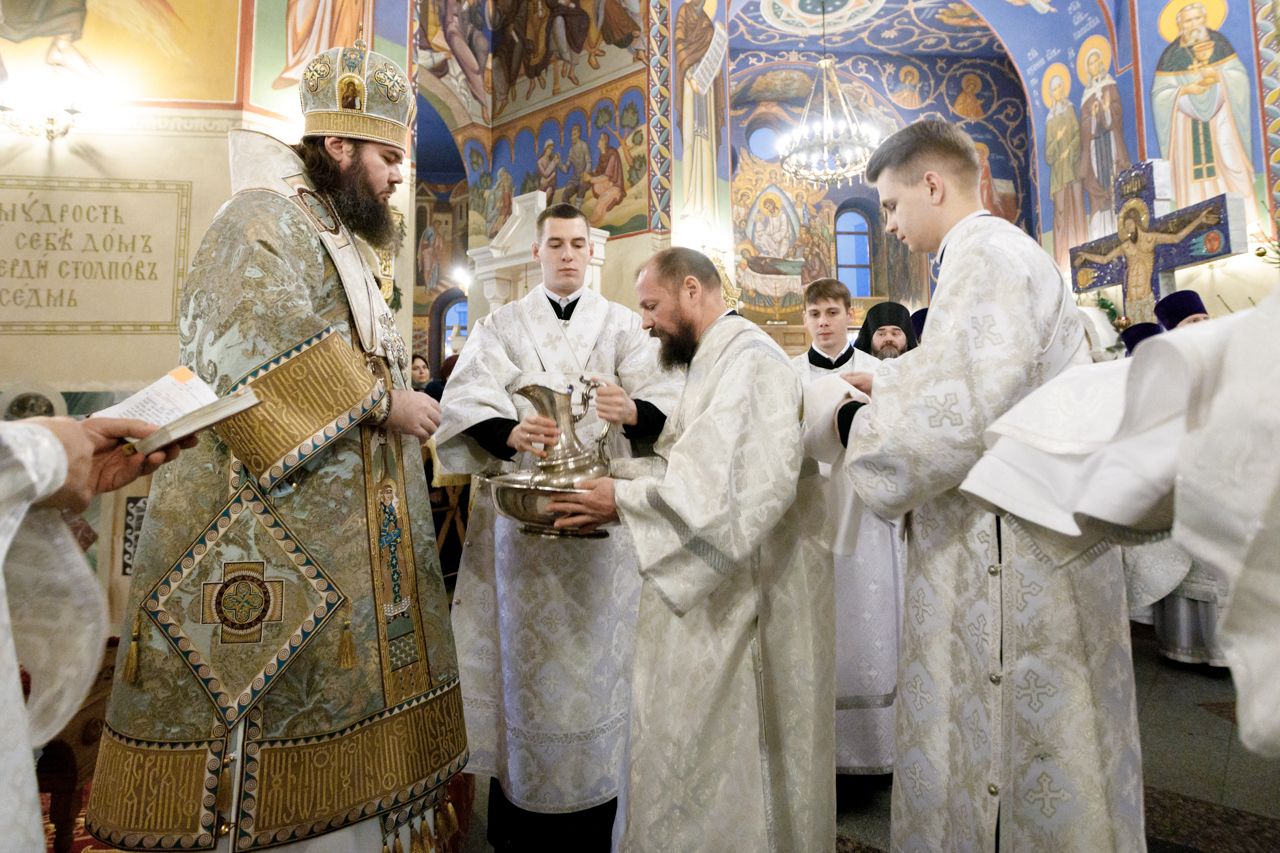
[291, 669]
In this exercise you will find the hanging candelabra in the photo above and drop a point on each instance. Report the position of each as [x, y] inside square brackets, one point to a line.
[831, 144]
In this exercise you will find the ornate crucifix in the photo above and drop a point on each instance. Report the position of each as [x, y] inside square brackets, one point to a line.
[1152, 242]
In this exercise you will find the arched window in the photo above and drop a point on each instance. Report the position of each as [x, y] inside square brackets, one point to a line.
[853, 251]
[455, 318]
[448, 310]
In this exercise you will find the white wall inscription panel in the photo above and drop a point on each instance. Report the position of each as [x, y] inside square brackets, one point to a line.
[92, 255]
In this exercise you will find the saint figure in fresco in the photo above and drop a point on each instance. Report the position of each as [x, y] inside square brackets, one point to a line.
[429, 258]
[548, 169]
[1104, 154]
[60, 20]
[314, 26]
[618, 23]
[567, 29]
[607, 182]
[700, 103]
[907, 93]
[967, 104]
[1062, 153]
[1201, 102]
[1004, 206]
[772, 233]
[498, 202]
[575, 189]
[455, 23]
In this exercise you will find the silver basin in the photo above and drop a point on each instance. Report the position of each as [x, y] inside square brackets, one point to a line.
[517, 498]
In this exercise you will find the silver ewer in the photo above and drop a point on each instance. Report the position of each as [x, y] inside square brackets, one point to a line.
[524, 495]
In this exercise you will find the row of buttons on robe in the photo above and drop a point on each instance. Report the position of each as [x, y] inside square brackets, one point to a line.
[994, 789]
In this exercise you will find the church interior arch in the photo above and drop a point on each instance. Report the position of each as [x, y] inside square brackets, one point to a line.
[440, 239]
[897, 61]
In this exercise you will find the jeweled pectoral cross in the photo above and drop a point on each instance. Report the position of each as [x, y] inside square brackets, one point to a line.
[1152, 241]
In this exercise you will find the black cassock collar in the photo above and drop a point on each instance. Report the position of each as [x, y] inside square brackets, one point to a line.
[817, 359]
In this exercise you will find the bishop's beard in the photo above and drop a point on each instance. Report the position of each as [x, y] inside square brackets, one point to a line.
[887, 351]
[357, 205]
[677, 347]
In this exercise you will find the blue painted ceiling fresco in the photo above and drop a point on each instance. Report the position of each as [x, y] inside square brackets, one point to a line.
[438, 159]
[892, 27]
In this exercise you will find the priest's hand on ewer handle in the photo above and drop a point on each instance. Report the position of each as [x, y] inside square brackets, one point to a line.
[614, 405]
[98, 460]
[413, 413]
[859, 380]
[588, 511]
[533, 435]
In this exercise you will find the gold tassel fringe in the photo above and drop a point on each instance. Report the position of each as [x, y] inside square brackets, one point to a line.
[131, 658]
[415, 839]
[429, 843]
[347, 648]
[223, 803]
[396, 846]
[446, 825]
[451, 818]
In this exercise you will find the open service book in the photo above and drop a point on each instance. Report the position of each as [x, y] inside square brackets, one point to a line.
[182, 404]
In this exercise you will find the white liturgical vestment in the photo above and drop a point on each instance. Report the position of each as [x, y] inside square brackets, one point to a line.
[868, 599]
[1189, 441]
[545, 626]
[1016, 710]
[53, 618]
[731, 744]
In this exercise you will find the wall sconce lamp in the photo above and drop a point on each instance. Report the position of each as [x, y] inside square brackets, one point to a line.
[53, 124]
[45, 99]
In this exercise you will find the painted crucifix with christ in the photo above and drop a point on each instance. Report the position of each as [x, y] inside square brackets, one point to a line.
[1152, 241]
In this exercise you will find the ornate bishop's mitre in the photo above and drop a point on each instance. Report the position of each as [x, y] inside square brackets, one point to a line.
[356, 93]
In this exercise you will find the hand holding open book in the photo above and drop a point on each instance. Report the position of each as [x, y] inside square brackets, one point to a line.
[97, 462]
[181, 404]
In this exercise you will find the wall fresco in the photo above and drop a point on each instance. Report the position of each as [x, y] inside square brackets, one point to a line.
[589, 150]
[93, 49]
[782, 228]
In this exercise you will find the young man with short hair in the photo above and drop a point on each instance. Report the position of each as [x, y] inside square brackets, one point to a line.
[868, 571]
[1017, 729]
[826, 319]
[546, 625]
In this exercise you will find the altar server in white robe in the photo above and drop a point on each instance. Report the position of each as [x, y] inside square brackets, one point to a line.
[1017, 725]
[868, 569]
[545, 627]
[53, 617]
[731, 744]
[826, 319]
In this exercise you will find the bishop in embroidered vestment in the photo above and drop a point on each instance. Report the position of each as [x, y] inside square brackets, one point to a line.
[286, 667]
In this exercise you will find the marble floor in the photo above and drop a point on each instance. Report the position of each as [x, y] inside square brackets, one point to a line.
[1204, 791]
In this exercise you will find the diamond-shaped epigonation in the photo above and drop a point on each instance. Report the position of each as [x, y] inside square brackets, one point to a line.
[241, 603]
